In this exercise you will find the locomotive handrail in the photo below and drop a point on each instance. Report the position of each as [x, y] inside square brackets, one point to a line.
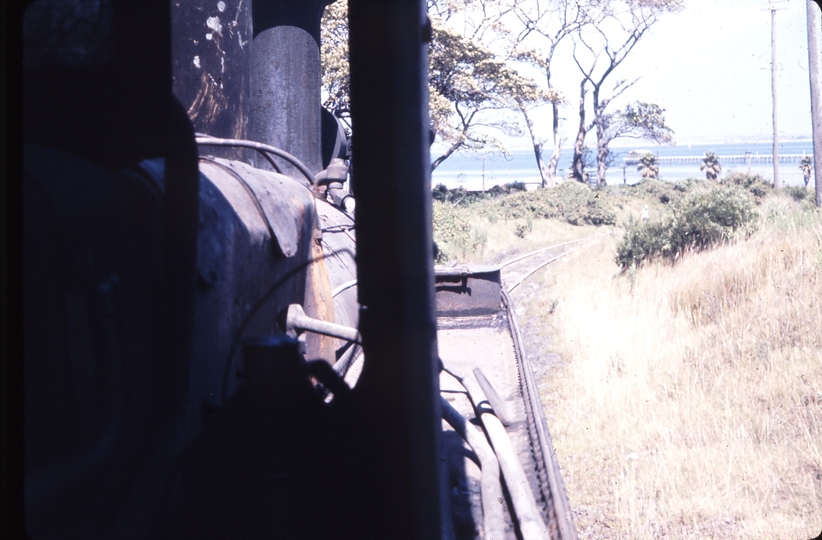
[263, 149]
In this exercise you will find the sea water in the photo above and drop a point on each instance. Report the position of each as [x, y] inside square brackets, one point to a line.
[476, 172]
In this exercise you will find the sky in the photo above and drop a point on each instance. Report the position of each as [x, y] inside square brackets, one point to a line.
[708, 66]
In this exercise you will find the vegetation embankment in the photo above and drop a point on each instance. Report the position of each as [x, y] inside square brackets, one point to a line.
[688, 402]
[473, 227]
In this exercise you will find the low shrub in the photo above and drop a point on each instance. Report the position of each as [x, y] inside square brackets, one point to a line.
[570, 201]
[644, 241]
[459, 195]
[755, 184]
[664, 192]
[651, 189]
[507, 189]
[701, 219]
[454, 196]
[522, 229]
[798, 193]
[454, 232]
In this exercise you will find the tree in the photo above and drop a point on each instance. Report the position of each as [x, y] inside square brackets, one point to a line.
[638, 121]
[806, 166]
[648, 166]
[334, 60]
[711, 166]
[612, 30]
[551, 23]
[468, 80]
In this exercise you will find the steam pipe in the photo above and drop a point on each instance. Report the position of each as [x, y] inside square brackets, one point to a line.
[263, 149]
[297, 321]
[493, 520]
[499, 405]
[527, 512]
[343, 287]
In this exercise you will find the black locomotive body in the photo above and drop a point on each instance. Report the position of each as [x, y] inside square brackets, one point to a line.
[195, 287]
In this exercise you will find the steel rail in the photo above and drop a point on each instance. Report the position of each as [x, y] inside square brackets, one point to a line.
[538, 268]
[531, 253]
[561, 505]
[264, 149]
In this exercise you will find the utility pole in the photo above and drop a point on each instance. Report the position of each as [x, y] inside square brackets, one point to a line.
[813, 13]
[777, 183]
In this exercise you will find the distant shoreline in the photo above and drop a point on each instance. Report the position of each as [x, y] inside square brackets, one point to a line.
[469, 170]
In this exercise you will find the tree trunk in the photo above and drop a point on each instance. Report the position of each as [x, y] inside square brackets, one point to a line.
[602, 143]
[446, 155]
[602, 149]
[777, 182]
[552, 165]
[816, 99]
[543, 170]
[579, 143]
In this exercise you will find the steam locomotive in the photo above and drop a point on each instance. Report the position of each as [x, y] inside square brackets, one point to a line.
[213, 346]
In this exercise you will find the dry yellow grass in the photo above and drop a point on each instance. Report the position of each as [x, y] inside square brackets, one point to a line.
[689, 401]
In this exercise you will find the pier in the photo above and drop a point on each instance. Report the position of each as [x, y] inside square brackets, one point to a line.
[749, 159]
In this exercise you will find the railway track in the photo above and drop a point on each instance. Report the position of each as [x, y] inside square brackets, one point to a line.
[518, 269]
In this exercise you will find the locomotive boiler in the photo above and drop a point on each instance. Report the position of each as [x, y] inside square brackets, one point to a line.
[218, 342]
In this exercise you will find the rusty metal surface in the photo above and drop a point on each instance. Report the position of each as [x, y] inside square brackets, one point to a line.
[210, 60]
[463, 291]
[318, 302]
[339, 247]
[253, 250]
[282, 200]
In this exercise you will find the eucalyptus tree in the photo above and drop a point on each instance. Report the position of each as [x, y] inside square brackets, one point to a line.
[471, 75]
[611, 31]
[467, 81]
[711, 166]
[544, 26]
[336, 77]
